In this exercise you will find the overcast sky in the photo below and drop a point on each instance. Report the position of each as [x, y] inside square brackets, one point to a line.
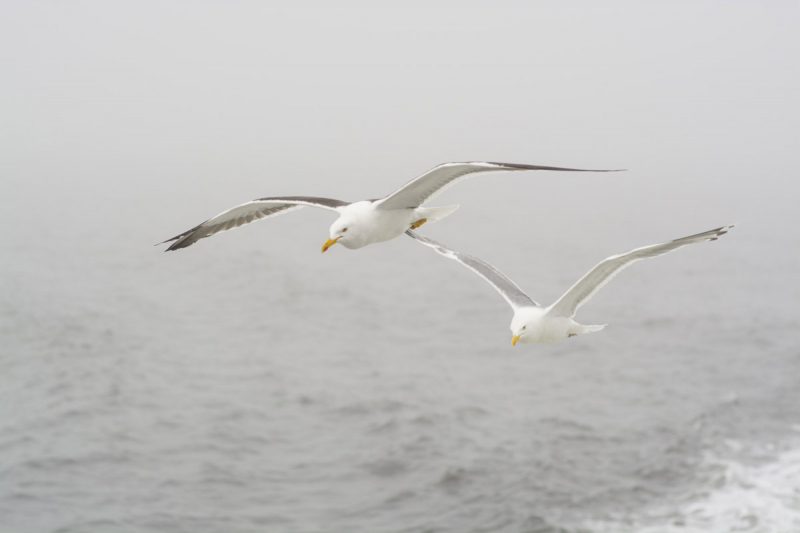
[191, 107]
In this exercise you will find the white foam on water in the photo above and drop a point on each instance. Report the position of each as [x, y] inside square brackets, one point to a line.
[764, 498]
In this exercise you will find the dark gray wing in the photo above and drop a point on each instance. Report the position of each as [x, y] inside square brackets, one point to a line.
[588, 285]
[422, 189]
[246, 213]
[507, 288]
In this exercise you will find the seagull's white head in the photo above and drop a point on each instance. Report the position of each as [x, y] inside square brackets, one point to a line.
[345, 231]
[518, 331]
[526, 325]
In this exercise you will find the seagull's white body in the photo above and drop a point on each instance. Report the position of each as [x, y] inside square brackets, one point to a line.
[534, 323]
[540, 327]
[537, 324]
[365, 222]
[368, 224]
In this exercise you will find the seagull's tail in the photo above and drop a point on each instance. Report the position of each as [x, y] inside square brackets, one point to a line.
[432, 214]
[592, 329]
[580, 328]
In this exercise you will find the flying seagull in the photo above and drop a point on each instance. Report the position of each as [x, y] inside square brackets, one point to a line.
[365, 222]
[534, 323]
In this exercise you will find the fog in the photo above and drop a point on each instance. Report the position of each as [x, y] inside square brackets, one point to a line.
[123, 124]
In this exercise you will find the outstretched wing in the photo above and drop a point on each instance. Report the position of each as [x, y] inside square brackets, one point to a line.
[422, 189]
[507, 288]
[588, 285]
[246, 213]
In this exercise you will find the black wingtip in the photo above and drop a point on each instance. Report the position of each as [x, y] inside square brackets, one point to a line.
[558, 169]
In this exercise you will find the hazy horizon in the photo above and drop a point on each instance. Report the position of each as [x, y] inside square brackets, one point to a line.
[249, 383]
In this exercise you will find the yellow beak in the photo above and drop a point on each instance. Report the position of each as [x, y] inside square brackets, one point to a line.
[329, 243]
[514, 340]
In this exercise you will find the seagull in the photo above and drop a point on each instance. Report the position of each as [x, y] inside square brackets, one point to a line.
[534, 323]
[365, 222]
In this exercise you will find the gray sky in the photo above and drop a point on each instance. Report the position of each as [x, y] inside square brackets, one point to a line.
[167, 113]
[125, 123]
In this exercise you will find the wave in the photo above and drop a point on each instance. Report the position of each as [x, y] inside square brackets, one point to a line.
[758, 498]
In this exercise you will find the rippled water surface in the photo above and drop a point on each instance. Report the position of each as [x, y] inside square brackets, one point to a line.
[250, 384]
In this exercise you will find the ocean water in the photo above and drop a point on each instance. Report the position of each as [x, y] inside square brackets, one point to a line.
[249, 384]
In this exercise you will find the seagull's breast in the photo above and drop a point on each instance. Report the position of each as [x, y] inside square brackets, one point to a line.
[552, 329]
[372, 225]
[539, 327]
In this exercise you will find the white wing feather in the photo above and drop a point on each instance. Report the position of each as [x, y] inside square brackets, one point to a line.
[509, 290]
[596, 278]
[249, 212]
[425, 187]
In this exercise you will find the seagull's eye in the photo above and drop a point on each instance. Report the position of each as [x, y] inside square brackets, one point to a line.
[344, 229]
[523, 327]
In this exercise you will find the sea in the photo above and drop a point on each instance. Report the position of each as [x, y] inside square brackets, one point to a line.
[250, 384]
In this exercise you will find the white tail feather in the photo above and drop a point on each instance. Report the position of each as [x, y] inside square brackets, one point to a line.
[435, 213]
